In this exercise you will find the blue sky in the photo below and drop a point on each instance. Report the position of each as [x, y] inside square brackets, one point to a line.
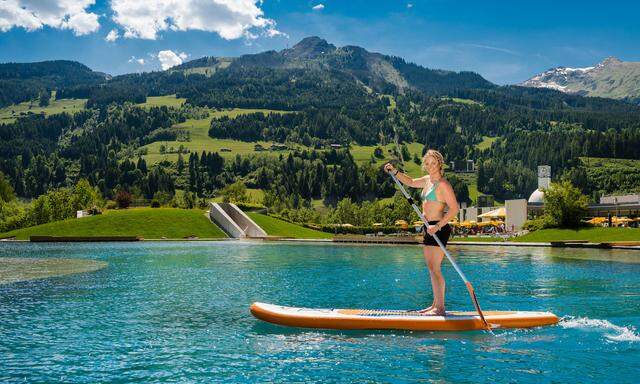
[506, 42]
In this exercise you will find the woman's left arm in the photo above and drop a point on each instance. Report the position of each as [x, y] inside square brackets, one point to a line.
[452, 204]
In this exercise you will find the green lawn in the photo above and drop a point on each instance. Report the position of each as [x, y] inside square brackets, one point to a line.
[201, 141]
[462, 101]
[486, 142]
[11, 113]
[277, 227]
[159, 101]
[256, 196]
[594, 235]
[604, 162]
[150, 223]
[363, 153]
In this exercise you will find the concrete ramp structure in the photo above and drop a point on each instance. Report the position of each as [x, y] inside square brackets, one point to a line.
[234, 222]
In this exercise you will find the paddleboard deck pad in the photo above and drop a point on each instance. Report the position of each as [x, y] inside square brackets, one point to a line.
[396, 319]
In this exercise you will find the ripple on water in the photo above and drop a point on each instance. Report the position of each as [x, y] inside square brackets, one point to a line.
[620, 333]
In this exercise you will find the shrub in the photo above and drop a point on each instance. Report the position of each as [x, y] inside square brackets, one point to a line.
[236, 192]
[564, 205]
[249, 206]
[123, 199]
[537, 224]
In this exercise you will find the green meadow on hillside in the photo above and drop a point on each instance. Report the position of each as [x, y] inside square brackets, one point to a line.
[159, 101]
[486, 142]
[11, 113]
[363, 153]
[149, 223]
[201, 141]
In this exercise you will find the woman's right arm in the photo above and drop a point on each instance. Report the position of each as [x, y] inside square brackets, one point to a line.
[405, 179]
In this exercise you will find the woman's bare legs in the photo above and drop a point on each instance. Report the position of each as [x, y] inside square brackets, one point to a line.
[433, 257]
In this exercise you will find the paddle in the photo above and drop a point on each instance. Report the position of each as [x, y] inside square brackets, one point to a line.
[451, 259]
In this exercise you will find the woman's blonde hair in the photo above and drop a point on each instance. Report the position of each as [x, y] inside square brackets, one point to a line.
[436, 155]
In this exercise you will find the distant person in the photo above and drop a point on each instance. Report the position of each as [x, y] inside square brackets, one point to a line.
[437, 194]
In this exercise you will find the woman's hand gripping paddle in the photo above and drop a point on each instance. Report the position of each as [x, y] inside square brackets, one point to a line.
[451, 259]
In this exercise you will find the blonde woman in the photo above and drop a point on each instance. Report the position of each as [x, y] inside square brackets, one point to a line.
[436, 195]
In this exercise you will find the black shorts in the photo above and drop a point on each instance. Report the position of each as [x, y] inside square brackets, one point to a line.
[443, 234]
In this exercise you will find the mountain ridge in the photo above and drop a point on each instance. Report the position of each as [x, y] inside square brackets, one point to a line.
[611, 78]
[375, 70]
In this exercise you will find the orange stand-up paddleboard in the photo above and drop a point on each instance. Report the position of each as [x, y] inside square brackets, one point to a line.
[397, 319]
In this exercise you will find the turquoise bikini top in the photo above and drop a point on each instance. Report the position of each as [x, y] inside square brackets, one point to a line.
[430, 195]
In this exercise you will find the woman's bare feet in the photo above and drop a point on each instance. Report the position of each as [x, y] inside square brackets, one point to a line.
[423, 311]
[433, 311]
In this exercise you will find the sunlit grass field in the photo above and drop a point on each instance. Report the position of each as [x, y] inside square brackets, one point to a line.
[594, 235]
[159, 101]
[201, 141]
[277, 227]
[486, 142]
[149, 223]
[363, 153]
[11, 113]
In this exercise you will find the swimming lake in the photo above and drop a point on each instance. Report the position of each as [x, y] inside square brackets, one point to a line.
[179, 312]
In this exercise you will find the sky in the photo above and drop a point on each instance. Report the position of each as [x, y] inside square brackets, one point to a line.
[506, 42]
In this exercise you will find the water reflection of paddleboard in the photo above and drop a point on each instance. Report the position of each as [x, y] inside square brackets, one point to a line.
[396, 319]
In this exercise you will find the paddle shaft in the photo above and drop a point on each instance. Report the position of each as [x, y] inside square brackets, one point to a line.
[451, 259]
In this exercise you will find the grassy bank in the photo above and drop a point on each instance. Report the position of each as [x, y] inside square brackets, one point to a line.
[277, 227]
[594, 235]
[150, 223]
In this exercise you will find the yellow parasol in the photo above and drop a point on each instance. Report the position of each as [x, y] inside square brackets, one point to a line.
[597, 220]
[500, 212]
[402, 224]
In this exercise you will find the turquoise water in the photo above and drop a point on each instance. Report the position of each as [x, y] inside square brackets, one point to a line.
[178, 312]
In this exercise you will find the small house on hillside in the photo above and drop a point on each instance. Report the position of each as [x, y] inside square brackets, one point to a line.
[278, 147]
[223, 149]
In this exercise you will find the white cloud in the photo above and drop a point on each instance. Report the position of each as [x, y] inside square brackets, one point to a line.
[35, 14]
[112, 36]
[272, 32]
[133, 59]
[409, 5]
[231, 19]
[170, 59]
[318, 7]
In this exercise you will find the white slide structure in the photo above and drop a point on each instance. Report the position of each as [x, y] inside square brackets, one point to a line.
[234, 222]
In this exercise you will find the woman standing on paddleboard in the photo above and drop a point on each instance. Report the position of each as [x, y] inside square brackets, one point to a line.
[437, 194]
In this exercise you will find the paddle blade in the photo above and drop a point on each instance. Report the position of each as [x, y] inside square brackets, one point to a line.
[477, 305]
